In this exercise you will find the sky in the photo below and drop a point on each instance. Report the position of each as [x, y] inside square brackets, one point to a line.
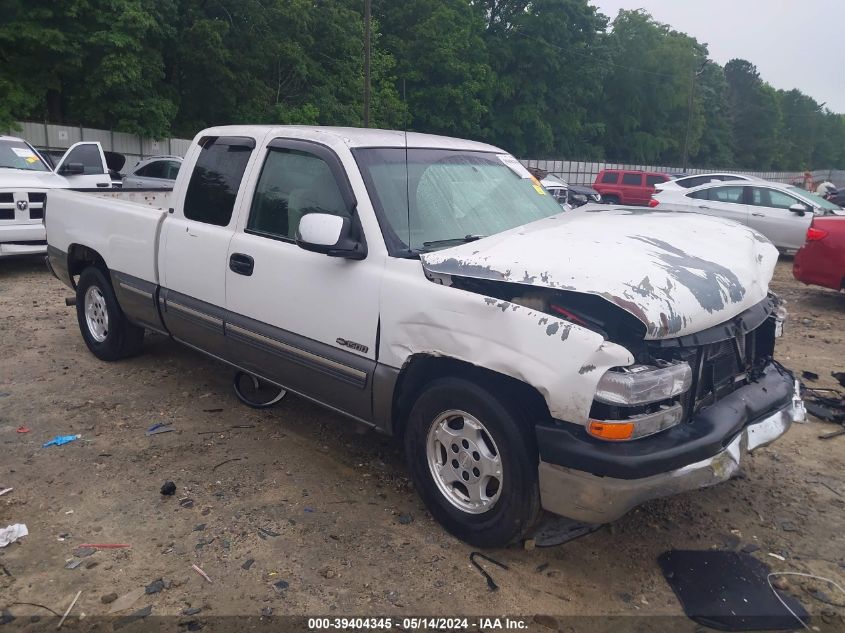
[793, 44]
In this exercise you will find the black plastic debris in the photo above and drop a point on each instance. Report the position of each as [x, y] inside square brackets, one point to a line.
[839, 376]
[809, 375]
[559, 530]
[728, 591]
[191, 611]
[281, 585]
[168, 489]
[249, 562]
[155, 586]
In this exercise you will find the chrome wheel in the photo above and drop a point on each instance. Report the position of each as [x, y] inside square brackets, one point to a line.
[96, 314]
[464, 462]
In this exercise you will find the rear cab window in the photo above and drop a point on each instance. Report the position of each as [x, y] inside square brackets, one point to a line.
[632, 179]
[216, 178]
[653, 179]
[610, 177]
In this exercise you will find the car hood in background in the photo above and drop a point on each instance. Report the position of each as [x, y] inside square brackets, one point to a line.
[678, 273]
[24, 179]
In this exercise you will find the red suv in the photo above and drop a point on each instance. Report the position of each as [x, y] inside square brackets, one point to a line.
[625, 186]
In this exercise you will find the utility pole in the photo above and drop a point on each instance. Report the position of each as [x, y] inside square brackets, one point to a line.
[367, 52]
[693, 76]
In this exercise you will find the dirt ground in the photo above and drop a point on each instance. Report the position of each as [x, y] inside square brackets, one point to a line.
[342, 525]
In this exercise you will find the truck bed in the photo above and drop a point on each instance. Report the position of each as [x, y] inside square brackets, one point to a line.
[128, 226]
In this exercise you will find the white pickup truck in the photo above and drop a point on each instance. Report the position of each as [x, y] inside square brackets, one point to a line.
[25, 177]
[581, 362]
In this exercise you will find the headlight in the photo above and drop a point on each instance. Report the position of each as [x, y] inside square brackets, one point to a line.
[643, 384]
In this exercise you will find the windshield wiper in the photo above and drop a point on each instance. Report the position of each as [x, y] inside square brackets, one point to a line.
[452, 240]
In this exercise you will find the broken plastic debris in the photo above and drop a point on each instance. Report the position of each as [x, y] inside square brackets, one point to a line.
[201, 573]
[23, 429]
[60, 440]
[161, 427]
[12, 533]
[5, 490]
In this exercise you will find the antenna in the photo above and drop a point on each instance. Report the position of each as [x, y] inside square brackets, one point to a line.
[407, 171]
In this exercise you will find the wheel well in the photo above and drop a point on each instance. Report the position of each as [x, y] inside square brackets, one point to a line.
[422, 369]
[80, 257]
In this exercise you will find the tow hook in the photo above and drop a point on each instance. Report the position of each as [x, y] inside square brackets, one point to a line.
[70, 301]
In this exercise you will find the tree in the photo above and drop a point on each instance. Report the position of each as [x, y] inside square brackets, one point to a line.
[756, 116]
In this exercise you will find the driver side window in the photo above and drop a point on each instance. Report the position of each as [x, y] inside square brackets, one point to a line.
[773, 198]
[292, 183]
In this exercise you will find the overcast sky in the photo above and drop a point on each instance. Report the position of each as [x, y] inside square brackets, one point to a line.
[793, 44]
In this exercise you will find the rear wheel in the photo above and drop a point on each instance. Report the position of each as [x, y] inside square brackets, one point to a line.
[610, 199]
[474, 462]
[106, 330]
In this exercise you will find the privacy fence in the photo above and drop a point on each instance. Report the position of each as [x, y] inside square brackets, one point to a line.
[60, 137]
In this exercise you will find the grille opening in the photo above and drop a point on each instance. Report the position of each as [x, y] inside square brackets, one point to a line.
[37, 196]
[7, 214]
[7, 197]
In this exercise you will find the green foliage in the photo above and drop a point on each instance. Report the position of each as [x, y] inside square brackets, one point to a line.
[541, 78]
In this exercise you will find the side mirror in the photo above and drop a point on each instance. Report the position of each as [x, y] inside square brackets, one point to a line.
[798, 209]
[330, 235]
[72, 169]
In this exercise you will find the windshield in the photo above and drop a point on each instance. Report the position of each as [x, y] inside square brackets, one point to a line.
[454, 195]
[19, 155]
[817, 200]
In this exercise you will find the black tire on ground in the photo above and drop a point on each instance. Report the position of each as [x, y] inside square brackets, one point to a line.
[610, 199]
[518, 506]
[122, 338]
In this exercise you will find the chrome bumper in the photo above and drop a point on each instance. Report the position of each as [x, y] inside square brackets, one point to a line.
[590, 499]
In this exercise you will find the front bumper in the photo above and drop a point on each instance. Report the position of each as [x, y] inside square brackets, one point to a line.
[22, 239]
[593, 495]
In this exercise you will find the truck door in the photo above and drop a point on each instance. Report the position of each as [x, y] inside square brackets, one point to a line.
[302, 319]
[195, 241]
[84, 166]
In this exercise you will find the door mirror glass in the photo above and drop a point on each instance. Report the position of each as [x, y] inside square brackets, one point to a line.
[328, 234]
[72, 169]
[798, 209]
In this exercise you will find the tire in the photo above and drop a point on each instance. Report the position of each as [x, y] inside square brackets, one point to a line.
[610, 199]
[506, 507]
[108, 333]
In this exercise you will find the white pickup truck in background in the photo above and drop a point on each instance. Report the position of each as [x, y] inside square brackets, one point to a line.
[580, 362]
[25, 177]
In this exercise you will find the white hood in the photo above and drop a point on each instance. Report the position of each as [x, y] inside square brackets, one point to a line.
[678, 273]
[23, 179]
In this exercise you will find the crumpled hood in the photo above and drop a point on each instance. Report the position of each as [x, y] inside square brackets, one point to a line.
[20, 179]
[678, 273]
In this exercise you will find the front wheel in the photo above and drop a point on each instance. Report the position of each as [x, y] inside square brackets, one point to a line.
[474, 462]
[106, 330]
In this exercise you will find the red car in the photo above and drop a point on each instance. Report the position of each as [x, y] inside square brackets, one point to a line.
[627, 186]
[821, 261]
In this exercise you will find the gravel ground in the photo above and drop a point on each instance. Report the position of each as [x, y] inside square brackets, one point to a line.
[296, 494]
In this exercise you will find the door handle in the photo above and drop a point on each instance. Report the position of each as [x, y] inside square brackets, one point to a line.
[103, 185]
[701, 206]
[241, 264]
[759, 215]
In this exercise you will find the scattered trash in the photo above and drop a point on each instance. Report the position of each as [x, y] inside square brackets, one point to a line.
[802, 617]
[4, 394]
[307, 509]
[168, 489]
[234, 459]
[267, 611]
[265, 532]
[191, 611]
[161, 427]
[809, 375]
[23, 429]
[108, 598]
[199, 527]
[491, 585]
[187, 502]
[829, 436]
[212, 410]
[126, 600]
[106, 545]
[155, 586]
[35, 604]
[84, 550]
[73, 564]
[4, 491]
[249, 562]
[825, 404]
[728, 590]
[12, 533]
[62, 621]
[778, 556]
[839, 376]
[201, 573]
[281, 585]
[405, 519]
[61, 440]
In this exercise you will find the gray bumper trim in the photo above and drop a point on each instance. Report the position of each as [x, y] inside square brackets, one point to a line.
[585, 497]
